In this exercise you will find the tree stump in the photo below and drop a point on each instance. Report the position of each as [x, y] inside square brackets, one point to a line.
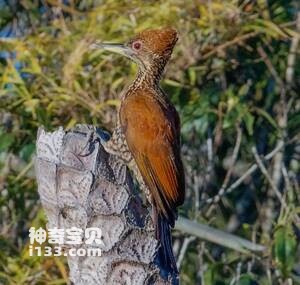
[82, 186]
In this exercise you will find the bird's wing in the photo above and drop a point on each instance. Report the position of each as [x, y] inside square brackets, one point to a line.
[152, 136]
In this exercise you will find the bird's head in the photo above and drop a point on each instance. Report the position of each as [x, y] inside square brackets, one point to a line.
[150, 49]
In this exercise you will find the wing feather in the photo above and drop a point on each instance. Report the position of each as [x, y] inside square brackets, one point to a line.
[153, 139]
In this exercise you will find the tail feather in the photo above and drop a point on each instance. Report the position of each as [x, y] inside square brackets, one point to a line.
[163, 234]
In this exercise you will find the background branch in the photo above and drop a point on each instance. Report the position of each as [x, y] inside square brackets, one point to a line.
[247, 173]
[217, 236]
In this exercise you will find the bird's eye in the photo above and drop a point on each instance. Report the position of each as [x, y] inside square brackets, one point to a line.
[137, 45]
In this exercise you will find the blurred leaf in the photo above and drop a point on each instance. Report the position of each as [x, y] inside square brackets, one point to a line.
[172, 83]
[192, 76]
[6, 141]
[266, 116]
[247, 279]
[249, 122]
[27, 151]
[285, 248]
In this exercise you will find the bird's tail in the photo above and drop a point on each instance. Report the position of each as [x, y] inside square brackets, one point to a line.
[165, 253]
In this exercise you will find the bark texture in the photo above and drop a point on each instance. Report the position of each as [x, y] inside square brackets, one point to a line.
[82, 186]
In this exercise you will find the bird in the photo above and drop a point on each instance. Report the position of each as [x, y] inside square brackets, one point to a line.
[147, 135]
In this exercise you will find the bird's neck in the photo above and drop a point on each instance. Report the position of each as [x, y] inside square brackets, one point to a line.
[147, 77]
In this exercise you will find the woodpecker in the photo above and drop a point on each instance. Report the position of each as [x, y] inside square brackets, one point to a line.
[147, 136]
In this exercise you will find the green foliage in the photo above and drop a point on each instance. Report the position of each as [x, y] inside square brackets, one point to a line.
[7, 140]
[220, 84]
[285, 249]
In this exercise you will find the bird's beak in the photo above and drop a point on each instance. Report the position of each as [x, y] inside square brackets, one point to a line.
[116, 48]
